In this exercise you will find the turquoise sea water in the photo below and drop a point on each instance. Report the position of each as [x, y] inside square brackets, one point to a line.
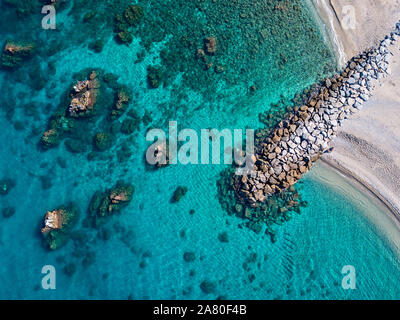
[143, 259]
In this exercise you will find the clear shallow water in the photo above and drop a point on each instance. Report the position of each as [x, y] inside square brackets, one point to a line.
[144, 257]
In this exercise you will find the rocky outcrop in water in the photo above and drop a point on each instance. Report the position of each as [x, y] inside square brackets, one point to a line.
[291, 148]
[57, 225]
[106, 203]
[53, 220]
[79, 103]
[83, 96]
[15, 52]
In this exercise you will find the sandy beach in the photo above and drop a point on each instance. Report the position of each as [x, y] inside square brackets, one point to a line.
[363, 197]
[356, 25]
[367, 148]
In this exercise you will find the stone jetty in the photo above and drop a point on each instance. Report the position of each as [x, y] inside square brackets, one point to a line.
[291, 148]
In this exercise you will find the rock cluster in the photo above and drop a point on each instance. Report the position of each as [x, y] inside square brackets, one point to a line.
[83, 96]
[106, 203]
[97, 96]
[80, 103]
[304, 135]
[122, 99]
[278, 209]
[124, 22]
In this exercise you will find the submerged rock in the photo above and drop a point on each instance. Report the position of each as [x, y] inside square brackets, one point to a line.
[124, 22]
[154, 76]
[15, 52]
[130, 125]
[50, 138]
[8, 212]
[70, 269]
[103, 141]
[276, 210]
[122, 99]
[189, 256]
[223, 237]
[178, 194]
[79, 103]
[106, 203]
[75, 145]
[124, 37]
[6, 185]
[207, 286]
[210, 45]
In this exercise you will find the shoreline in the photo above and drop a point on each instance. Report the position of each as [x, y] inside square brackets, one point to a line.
[327, 20]
[379, 213]
[364, 187]
[309, 131]
[370, 21]
[367, 148]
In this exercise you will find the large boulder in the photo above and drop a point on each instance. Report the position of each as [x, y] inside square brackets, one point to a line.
[57, 224]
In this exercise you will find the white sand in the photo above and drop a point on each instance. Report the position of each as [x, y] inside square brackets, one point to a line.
[373, 19]
[368, 144]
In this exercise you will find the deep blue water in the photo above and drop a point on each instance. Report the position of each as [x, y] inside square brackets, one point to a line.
[143, 259]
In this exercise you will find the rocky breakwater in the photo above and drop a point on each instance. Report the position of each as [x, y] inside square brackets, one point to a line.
[289, 150]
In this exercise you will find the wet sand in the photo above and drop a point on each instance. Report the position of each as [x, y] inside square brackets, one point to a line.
[363, 197]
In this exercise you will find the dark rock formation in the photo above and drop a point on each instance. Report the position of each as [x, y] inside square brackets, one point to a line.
[210, 45]
[15, 52]
[178, 194]
[189, 256]
[106, 203]
[208, 286]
